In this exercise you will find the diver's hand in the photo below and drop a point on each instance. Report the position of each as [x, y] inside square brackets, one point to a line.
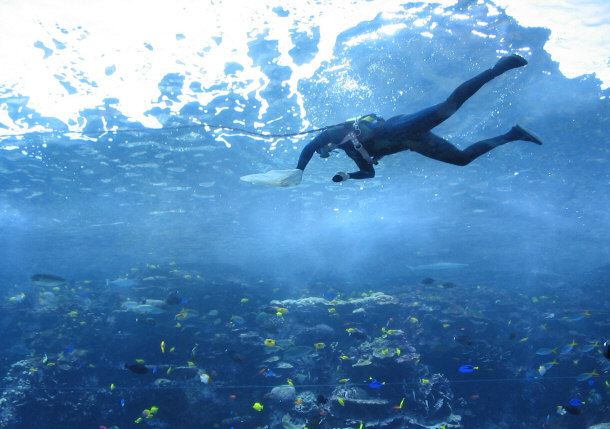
[340, 177]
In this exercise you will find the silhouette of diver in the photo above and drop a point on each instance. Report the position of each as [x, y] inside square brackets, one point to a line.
[369, 138]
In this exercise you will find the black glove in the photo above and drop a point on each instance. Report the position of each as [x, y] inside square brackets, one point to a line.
[340, 177]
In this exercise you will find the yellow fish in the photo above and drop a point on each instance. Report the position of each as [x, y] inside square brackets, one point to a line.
[112, 386]
[350, 330]
[140, 360]
[414, 319]
[425, 381]
[400, 406]
[162, 346]
[258, 406]
[289, 381]
[244, 300]
[341, 401]
[522, 340]
[344, 357]
[344, 380]
[398, 351]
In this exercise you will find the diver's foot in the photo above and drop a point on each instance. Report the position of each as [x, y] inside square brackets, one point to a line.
[521, 133]
[509, 62]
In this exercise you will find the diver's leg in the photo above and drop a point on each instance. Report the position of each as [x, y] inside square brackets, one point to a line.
[434, 147]
[430, 117]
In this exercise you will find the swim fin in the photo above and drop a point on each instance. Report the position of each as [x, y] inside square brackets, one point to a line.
[525, 135]
[281, 178]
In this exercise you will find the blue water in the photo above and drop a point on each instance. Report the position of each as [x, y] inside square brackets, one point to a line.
[528, 226]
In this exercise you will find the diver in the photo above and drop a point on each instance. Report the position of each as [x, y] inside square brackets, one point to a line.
[369, 138]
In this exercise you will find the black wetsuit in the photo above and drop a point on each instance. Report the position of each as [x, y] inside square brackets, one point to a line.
[412, 132]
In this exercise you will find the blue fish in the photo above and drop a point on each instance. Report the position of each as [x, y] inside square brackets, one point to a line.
[122, 402]
[545, 351]
[576, 402]
[467, 369]
[375, 384]
[68, 350]
[122, 282]
[437, 266]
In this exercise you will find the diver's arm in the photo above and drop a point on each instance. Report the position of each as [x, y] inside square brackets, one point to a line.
[321, 140]
[366, 172]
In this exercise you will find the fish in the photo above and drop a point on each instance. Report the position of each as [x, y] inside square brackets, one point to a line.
[146, 321]
[17, 298]
[375, 384]
[173, 299]
[448, 285]
[589, 347]
[546, 351]
[467, 369]
[138, 368]
[399, 406]
[357, 334]
[463, 339]
[567, 348]
[47, 280]
[238, 320]
[121, 282]
[586, 375]
[576, 410]
[437, 266]
[258, 406]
